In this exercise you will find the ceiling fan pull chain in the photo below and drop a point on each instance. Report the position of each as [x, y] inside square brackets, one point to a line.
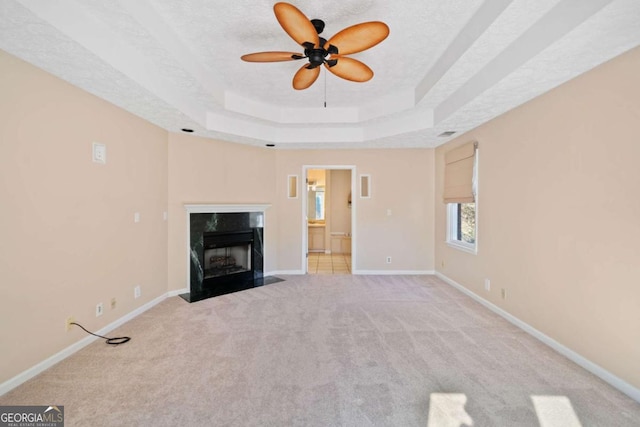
[325, 88]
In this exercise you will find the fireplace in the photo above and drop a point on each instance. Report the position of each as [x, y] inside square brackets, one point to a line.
[225, 250]
[227, 256]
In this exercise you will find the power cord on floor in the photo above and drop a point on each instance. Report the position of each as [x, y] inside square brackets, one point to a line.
[110, 341]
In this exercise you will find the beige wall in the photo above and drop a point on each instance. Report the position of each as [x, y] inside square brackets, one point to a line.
[402, 181]
[558, 215]
[207, 171]
[68, 239]
[318, 175]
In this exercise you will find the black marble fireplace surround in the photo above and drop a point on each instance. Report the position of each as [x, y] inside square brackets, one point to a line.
[232, 241]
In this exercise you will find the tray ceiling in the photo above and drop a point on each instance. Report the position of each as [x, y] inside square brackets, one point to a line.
[446, 65]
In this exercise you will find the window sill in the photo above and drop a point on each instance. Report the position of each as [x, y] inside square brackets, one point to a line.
[464, 247]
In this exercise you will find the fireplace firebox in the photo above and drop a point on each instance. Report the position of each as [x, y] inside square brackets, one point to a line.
[227, 256]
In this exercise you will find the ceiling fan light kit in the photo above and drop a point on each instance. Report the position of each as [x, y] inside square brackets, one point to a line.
[319, 51]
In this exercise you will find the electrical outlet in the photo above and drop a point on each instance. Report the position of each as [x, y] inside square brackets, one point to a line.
[99, 309]
[99, 152]
[503, 293]
[487, 285]
[113, 303]
[388, 260]
[68, 323]
[137, 292]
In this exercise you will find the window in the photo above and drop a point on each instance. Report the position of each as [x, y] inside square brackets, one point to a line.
[462, 226]
[319, 196]
[460, 195]
[315, 211]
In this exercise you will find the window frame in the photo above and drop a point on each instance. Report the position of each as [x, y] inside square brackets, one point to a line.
[453, 226]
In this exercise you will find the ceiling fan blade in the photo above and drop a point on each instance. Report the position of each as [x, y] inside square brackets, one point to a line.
[271, 56]
[296, 24]
[305, 77]
[358, 37]
[350, 69]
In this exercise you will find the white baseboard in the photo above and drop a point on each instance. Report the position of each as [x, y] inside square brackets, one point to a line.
[177, 292]
[597, 370]
[394, 272]
[284, 272]
[63, 354]
[362, 272]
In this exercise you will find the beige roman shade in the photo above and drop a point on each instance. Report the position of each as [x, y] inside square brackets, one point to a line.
[458, 174]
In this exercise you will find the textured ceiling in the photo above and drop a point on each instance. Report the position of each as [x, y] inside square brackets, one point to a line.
[446, 65]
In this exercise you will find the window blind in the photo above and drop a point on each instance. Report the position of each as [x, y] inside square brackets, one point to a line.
[459, 174]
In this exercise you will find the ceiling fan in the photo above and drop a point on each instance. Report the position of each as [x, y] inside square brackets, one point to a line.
[319, 51]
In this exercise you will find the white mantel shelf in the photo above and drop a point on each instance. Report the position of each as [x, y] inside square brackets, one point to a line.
[224, 208]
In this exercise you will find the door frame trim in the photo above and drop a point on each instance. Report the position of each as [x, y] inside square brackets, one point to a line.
[304, 201]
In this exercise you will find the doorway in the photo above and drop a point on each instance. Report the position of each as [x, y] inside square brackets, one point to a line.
[328, 219]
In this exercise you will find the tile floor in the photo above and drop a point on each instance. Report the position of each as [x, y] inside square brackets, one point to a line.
[321, 263]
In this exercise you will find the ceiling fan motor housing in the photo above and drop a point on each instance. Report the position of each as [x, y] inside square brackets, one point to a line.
[317, 55]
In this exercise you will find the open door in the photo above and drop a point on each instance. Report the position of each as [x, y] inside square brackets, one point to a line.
[328, 219]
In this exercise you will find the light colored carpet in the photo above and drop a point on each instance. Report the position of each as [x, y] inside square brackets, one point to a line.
[326, 351]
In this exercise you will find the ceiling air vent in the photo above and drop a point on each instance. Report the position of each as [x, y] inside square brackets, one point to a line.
[447, 133]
